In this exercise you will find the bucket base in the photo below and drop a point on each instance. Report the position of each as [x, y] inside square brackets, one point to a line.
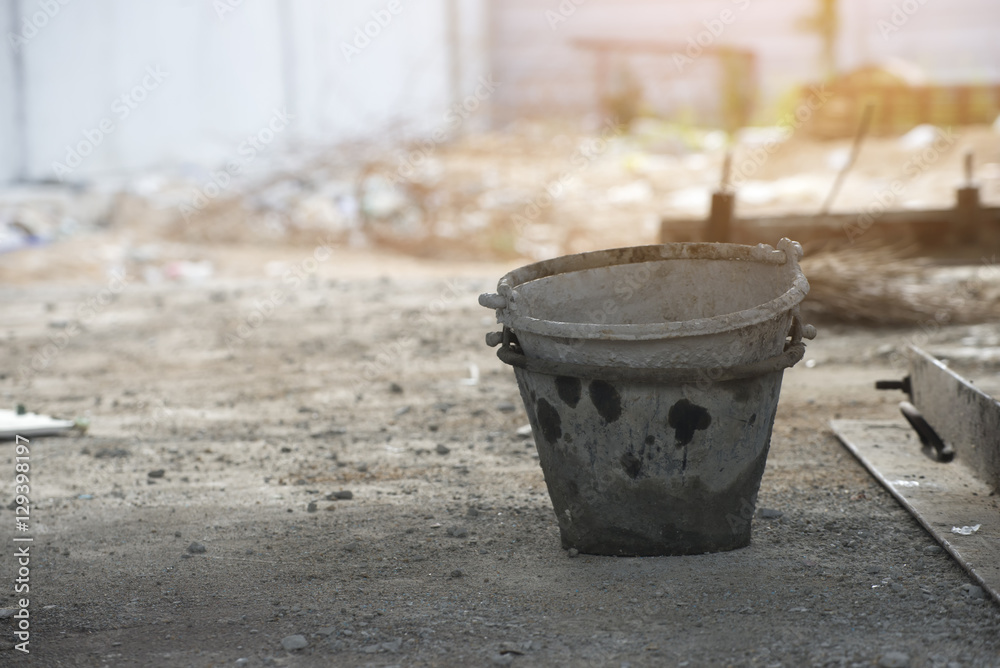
[651, 470]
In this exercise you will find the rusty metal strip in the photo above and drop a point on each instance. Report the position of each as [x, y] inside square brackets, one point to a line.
[966, 417]
[940, 496]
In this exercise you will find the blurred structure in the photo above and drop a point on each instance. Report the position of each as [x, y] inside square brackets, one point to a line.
[116, 86]
[110, 86]
[794, 41]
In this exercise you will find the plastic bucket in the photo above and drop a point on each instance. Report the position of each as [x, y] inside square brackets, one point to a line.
[650, 376]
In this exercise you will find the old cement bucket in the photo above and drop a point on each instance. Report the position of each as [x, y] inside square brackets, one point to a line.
[650, 376]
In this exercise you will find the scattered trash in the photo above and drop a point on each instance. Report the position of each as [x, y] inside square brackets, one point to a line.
[919, 137]
[966, 530]
[28, 425]
[473, 378]
[189, 272]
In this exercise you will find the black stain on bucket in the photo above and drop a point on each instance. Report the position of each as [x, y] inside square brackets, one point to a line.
[549, 421]
[606, 400]
[686, 418]
[569, 390]
[632, 465]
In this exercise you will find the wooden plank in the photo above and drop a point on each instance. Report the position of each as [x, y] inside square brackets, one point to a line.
[940, 496]
[960, 413]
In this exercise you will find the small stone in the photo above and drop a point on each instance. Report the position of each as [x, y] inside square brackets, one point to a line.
[243, 662]
[158, 473]
[177, 534]
[342, 495]
[458, 532]
[511, 648]
[502, 659]
[197, 548]
[573, 553]
[769, 514]
[894, 660]
[933, 549]
[312, 507]
[294, 642]
[442, 449]
[6, 613]
[973, 591]
[472, 512]
[395, 388]
[351, 547]
[457, 573]
[506, 407]
[524, 432]
[393, 645]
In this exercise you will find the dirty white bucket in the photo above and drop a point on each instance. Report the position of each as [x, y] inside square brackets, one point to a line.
[650, 376]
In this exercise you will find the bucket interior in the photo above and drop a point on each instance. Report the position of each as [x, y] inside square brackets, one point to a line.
[655, 291]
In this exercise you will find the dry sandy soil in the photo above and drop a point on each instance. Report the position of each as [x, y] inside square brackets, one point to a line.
[448, 553]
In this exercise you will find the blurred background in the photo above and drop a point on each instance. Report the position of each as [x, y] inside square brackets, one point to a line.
[166, 138]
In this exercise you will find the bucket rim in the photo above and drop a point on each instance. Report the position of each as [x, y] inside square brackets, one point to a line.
[788, 253]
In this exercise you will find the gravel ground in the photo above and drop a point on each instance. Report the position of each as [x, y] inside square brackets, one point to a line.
[323, 484]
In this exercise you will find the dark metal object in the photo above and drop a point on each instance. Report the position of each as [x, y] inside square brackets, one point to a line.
[938, 497]
[961, 413]
[943, 451]
[944, 499]
[903, 385]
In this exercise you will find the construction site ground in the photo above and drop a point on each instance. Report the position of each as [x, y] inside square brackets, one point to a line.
[197, 521]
